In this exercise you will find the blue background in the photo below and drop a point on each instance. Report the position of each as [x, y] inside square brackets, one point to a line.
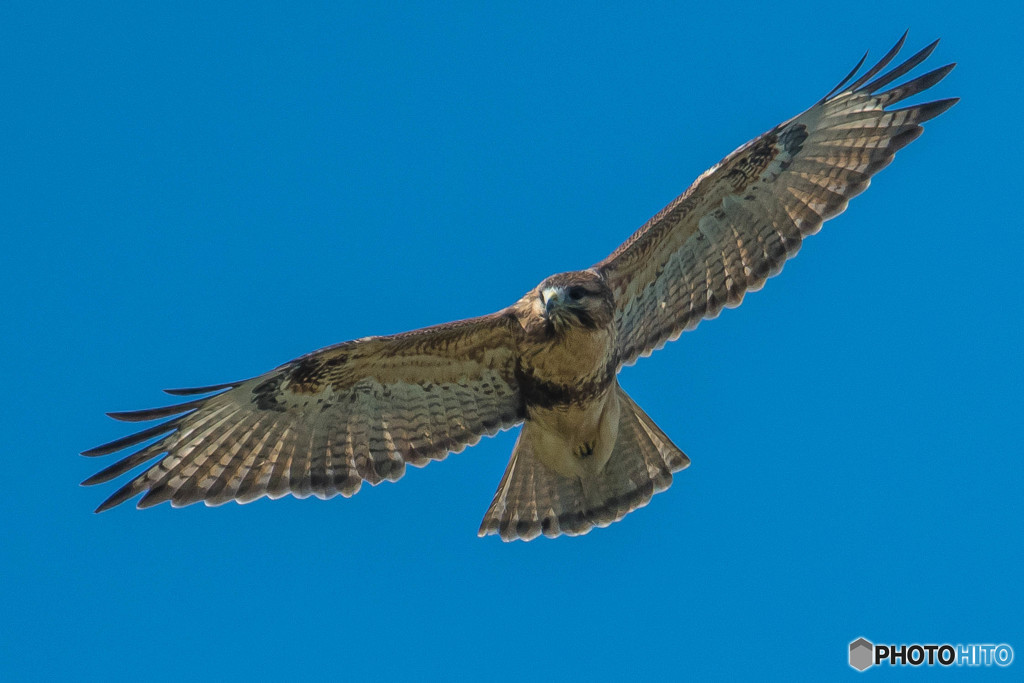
[195, 195]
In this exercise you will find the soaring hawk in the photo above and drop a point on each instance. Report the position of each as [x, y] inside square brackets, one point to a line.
[362, 410]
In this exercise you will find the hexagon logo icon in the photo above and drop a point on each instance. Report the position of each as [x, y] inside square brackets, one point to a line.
[861, 654]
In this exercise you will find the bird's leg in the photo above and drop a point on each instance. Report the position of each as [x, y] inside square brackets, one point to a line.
[584, 450]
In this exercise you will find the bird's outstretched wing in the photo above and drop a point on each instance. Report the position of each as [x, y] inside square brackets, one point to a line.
[324, 423]
[739, 222]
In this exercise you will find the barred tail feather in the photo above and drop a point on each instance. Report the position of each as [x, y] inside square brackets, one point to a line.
[532, 500]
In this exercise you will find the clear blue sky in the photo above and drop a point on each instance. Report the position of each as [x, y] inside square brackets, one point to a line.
[194, 195]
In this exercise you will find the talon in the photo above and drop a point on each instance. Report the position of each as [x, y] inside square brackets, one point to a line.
[584, 450]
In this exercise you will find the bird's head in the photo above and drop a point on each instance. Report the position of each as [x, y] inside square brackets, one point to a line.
[578, 299]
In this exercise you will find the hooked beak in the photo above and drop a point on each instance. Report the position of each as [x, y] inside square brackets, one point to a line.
[552, 297]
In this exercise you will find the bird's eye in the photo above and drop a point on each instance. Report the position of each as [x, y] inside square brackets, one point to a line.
[577, 293]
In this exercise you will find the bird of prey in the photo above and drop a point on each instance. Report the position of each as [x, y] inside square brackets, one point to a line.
[587, 454]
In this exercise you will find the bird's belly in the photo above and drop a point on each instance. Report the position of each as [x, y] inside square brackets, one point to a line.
[576, 440]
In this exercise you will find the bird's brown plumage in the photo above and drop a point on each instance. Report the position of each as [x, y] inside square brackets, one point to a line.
[362, 410]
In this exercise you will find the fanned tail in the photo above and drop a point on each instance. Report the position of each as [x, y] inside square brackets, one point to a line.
[533, 500]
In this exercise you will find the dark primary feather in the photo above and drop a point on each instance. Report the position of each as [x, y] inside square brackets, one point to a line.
[132, 439]
[741, 220]
[192, 391]
[898, 72]
[884, 61]
[156, 413]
